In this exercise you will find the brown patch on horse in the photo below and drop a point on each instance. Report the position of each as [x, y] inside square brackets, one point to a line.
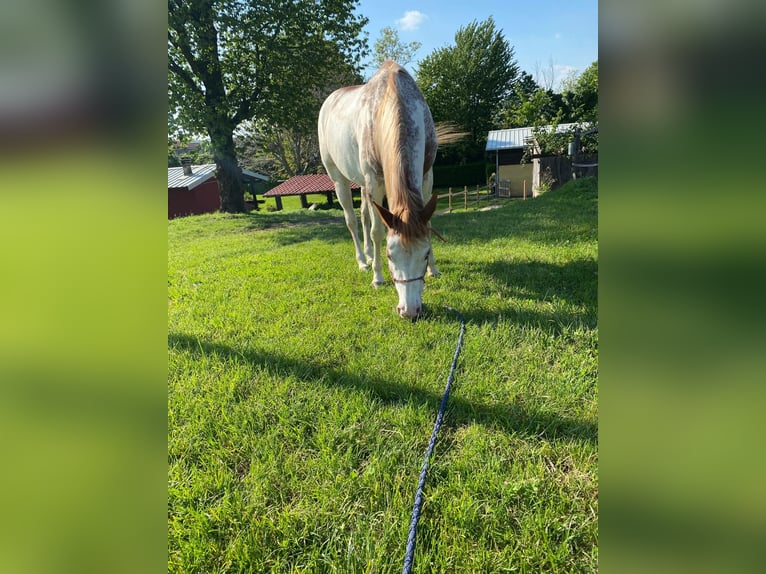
[395, 224]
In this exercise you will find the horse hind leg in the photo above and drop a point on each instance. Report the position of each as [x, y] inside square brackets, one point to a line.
[432, 270]
[343, 191]
[428, 184]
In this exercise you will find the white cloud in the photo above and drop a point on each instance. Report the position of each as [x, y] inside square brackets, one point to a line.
[411, 20]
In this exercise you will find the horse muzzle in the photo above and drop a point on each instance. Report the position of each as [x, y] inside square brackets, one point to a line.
[413, 309]
[409, 312]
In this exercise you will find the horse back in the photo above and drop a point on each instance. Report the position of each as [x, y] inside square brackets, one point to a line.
[385, 121]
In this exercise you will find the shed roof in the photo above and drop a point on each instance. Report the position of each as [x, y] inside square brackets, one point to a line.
[200, 174]
[515, 138]
[303, 184]
[255, 174]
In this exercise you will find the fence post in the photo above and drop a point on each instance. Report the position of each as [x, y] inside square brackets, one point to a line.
[477, 195]
[525, 189]
[465, 197]
[450, 200]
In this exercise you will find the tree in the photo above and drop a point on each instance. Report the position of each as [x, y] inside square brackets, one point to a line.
[465, 83]
[581, 94]
[545, 76]
[389, 47]
[291, 147]
[234, 60]
[173, 159]
[510, 113]
[531, 108]
[199, 152]
[281, 152]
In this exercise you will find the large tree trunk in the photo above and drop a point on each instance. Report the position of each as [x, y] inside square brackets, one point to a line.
[228, 172]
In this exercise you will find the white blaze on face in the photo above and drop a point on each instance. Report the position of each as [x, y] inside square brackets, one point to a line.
[408, 261]
[407, 264]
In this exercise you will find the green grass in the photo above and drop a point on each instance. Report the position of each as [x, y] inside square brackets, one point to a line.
[300, 405]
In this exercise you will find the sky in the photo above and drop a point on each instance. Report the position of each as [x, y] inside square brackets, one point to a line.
[550, 39]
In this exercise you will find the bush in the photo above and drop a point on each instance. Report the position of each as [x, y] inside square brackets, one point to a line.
[460, 175]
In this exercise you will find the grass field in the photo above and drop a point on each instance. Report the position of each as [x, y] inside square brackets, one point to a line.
[300, 404]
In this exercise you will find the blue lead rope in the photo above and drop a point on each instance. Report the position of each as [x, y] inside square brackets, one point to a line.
[409, 555]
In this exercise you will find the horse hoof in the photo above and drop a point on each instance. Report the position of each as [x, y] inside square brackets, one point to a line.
[436, 273]
[377, 284]
[364, 267]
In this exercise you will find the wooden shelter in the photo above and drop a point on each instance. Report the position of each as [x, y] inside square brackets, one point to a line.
[303, 185]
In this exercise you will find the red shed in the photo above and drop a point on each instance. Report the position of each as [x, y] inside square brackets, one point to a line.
[193, 189]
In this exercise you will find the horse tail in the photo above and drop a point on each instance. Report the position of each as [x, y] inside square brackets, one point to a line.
[448, 133]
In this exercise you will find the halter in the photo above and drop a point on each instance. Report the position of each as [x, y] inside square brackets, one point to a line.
[421, 278]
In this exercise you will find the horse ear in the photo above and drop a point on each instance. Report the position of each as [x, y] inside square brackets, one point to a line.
[385, 215]
[428, 210]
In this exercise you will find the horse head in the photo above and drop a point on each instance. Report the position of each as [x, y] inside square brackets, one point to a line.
[408, 247]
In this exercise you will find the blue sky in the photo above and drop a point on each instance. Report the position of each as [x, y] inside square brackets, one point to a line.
[549, 38]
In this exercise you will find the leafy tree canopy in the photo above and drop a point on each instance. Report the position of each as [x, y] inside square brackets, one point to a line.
[234, 60]
[291, 147]
[529, 104]
[389, 47]
[465, 83]
[581, 94]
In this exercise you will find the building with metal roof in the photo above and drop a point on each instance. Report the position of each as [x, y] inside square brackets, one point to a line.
[198, 174]
[514, 178]
[515, 138]
[177, 179]
[193, 189]
[518, 138]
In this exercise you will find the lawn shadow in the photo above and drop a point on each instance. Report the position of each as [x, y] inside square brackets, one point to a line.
[513, 418]
[505, 283]
[298, 227]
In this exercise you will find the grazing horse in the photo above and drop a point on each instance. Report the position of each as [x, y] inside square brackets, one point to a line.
[381, 135]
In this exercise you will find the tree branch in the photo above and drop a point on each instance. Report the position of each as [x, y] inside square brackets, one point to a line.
[245, 107]
[185, 76]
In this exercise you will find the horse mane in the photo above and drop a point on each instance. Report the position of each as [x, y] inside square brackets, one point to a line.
[404, 198]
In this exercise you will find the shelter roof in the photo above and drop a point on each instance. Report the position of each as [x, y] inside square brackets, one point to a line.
[303, 184]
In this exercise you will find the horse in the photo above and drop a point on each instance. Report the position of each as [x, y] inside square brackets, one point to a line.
[381, 135]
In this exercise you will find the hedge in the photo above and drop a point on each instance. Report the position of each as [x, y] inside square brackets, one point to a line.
[460, 175]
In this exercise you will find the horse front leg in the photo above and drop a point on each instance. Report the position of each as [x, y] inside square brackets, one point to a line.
[366, 214]
[378, 235]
